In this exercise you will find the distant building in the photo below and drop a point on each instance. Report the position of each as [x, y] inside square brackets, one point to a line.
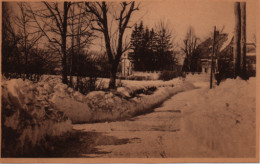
[126, 66]
[227, 54]
[224, 54]
[251, 59]
[205, 66]
[204, 51]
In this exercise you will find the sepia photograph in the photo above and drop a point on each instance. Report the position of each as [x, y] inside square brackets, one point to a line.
[160, 79]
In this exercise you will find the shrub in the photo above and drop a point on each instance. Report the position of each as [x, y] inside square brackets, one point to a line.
[168, 75]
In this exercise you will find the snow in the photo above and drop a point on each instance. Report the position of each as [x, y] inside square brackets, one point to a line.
[75, 110]
[223, 119]
[199, 80]
[113, 105]
[198, 123]
[227, 42]
[27, 112]
[130, 86]
[103, 106]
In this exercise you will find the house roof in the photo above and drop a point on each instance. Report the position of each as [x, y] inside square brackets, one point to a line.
[226, 42]
[205, 48]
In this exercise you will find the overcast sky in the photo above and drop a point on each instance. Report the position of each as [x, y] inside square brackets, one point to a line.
[202, 15]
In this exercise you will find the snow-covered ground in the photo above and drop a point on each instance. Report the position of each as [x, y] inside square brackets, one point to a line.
[224, 118]
[218, 123]
[197, 123]
[199, 80]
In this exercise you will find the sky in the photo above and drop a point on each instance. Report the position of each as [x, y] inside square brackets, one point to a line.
[201, 15]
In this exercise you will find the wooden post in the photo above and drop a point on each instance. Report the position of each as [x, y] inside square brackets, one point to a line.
[237, 39]
[243, 39]
[212, 57]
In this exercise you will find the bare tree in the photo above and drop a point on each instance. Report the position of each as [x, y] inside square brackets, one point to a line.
[80, 34]
[165, 44]
[66, 26]
[54, 19]
[28, 36]
[100, 10]
[9, 42]
[190, 45]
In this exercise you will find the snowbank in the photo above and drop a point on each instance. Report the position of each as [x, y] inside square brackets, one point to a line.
[73, 104]
[133, 98]
[108, 106]
[114, 106]
[27, 116]
[223, 119]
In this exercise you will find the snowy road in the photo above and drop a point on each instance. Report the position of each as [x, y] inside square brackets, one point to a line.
[157, 134]
[194, 123]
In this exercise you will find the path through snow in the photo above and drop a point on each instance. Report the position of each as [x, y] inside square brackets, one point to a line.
[194, 123]
[157, 134]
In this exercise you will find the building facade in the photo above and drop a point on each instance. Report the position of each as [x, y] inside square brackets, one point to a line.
[126, 66]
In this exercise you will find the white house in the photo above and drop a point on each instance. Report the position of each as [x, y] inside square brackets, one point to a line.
[126, 66]
[205, 66]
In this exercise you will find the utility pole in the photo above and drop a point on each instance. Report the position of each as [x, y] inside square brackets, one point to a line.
[237, 40]
[212, 57]
[243, 40]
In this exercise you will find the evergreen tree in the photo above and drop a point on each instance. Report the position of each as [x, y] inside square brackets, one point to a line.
[136, 46]
[164, 47]
[146, 53]
[152, 50]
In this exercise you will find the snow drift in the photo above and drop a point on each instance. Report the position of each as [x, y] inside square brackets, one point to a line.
[224, 119]
[113, 105]
[27, 116]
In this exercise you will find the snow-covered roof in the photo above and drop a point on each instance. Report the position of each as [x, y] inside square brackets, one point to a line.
[226, 43]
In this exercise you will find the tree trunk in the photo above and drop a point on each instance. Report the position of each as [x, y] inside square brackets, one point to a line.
[237, 39]
[64, 68]
[72, 49]
[25, 49]
[64, 44]
[71, 61]
[243, 39]
[112, 82]
[26, 63]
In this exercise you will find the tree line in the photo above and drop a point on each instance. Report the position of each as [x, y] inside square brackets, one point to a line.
[54, 37]
[21, 57]
[51, 37]
[59, 33]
